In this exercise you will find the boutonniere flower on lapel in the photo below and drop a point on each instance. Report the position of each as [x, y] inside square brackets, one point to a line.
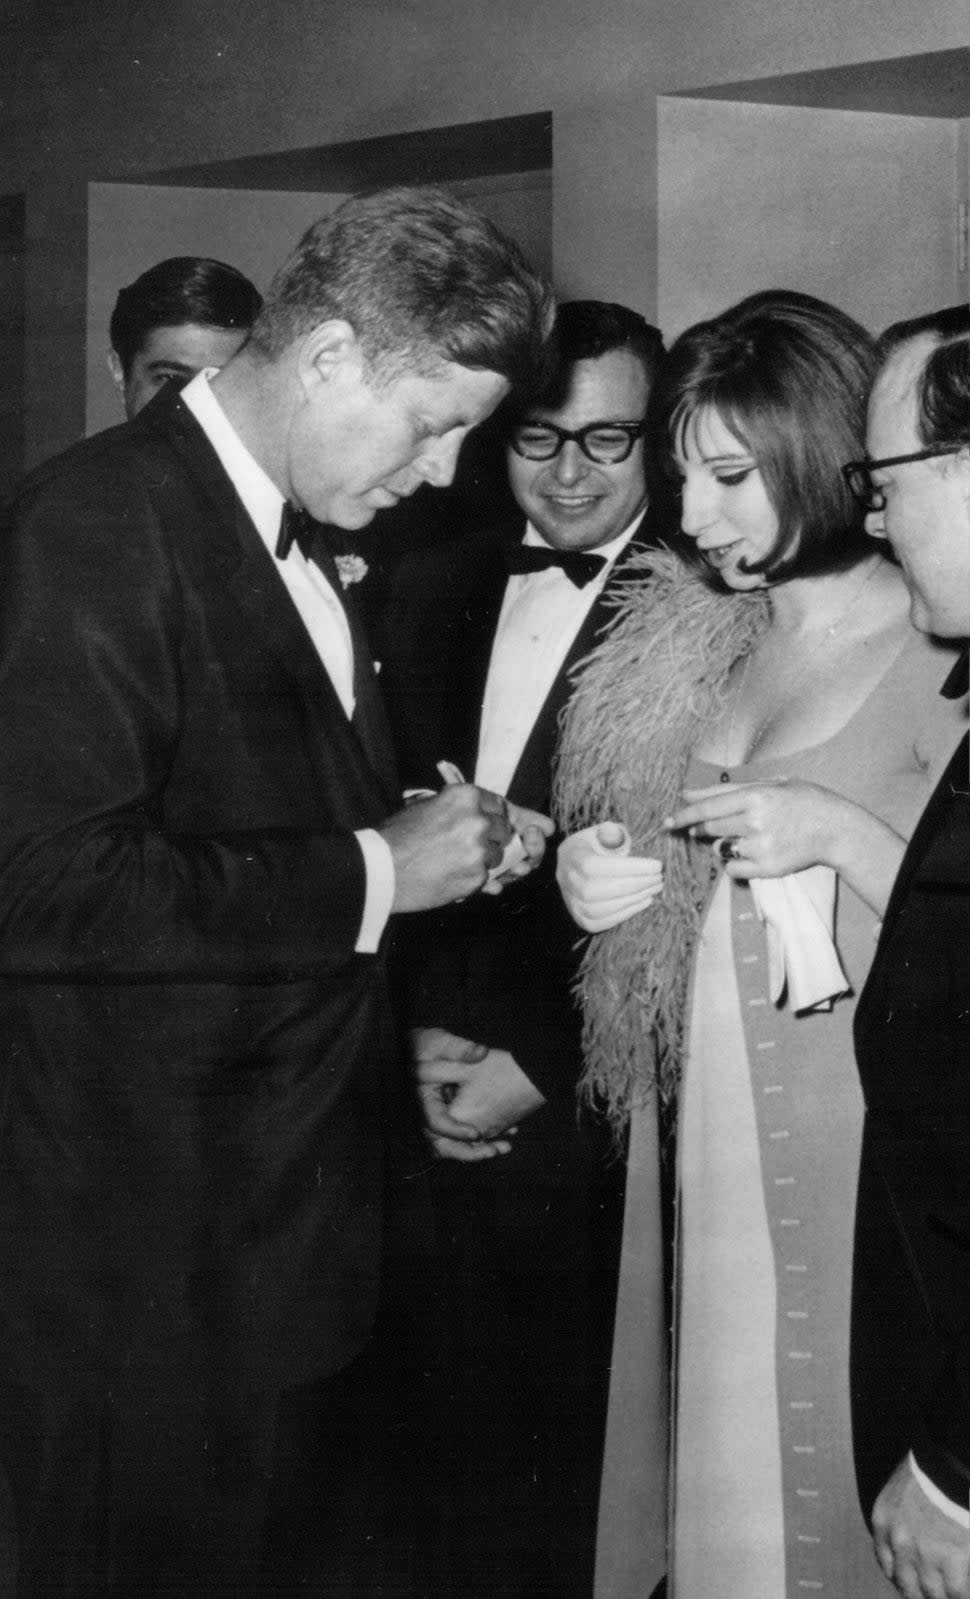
[351, 569]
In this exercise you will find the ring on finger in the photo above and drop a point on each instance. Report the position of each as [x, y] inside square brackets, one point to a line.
[729, 849]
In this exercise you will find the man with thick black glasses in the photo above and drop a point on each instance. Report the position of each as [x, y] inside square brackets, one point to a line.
[485, 633]
[911, 1291]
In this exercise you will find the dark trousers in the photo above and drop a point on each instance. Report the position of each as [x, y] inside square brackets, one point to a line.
[514, 1431]
[160, 1491]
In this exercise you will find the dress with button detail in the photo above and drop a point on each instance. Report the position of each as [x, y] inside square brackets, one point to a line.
[765, 1504]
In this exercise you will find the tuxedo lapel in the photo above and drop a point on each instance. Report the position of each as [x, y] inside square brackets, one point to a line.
[231, 555]
[369, 720]
[953, 781]
[470, 661]
[532, 775]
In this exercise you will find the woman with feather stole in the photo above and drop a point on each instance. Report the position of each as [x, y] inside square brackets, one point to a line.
[757, 734]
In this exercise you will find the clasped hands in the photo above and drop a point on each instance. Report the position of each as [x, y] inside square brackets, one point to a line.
[923, 1552]
[472, 1097]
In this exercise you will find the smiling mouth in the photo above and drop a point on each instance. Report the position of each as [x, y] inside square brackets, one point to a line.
[579, 502]
[718, 554]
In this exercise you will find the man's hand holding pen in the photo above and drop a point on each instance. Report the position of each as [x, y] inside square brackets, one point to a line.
[448, 845]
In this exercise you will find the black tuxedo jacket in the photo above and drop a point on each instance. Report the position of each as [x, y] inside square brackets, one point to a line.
[911, 1292]
[496, 968]
[192, 1096]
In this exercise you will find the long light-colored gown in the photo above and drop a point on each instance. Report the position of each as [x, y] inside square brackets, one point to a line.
[764, 1502]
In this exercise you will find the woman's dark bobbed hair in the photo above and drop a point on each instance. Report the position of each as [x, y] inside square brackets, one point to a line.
[789, 376]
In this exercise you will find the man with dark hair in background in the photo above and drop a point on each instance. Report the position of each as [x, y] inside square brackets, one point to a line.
[911, 1290]
[201, 843]
[527, 1190]
[181, 316]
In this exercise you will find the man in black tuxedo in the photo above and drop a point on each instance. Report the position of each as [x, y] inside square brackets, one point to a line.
[911, 1292]
[202, 840]
[528, 1190]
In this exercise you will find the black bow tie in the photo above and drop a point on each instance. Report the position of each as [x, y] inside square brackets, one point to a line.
[296, 527]
[580, 566]
[958, 680]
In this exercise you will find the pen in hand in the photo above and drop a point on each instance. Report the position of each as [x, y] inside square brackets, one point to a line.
[514, 850]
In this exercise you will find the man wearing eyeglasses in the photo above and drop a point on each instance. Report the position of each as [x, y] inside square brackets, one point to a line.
[527, 1190]
[911, 1291]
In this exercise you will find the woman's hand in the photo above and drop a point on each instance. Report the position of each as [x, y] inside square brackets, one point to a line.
[601, 882]
[775, 827]
[769, 829]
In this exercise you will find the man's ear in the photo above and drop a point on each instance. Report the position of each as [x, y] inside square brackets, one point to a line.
[113, 363]
[328, 352]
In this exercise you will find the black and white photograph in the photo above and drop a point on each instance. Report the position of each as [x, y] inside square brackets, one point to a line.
[484, 799]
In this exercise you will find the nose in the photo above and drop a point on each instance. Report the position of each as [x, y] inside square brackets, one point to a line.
[570, 465]
[439, 458]
[697, 505]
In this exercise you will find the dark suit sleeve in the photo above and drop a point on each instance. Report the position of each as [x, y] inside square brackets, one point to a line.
[941, 1247]
[98, 877]
[932, 1171]
[911, 1310]
[934, 927]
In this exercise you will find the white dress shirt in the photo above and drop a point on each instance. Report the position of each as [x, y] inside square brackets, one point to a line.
[958, 1513]
[320, 611]
[541, 614]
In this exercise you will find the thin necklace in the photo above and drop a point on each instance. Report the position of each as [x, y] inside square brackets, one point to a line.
[823, 639]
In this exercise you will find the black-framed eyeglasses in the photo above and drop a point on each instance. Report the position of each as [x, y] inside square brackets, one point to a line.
[858, 474]
[606, 443]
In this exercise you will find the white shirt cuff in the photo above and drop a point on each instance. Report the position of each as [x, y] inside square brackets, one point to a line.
[957, 1512]
[379, 867]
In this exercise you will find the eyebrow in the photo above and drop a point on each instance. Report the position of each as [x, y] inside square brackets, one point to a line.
[724, 458]
[597, 422]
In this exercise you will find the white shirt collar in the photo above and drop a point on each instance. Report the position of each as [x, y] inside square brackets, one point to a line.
[259, 494]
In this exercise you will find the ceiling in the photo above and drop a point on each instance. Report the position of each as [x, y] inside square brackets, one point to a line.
[936, 84]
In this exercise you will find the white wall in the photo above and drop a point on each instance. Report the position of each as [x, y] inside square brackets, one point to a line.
[857, 208]
[117, 91]
[521, 205]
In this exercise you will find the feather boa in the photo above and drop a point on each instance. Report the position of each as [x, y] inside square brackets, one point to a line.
[640, 700]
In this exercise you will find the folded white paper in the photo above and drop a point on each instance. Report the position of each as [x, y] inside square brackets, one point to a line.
[798, 912]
